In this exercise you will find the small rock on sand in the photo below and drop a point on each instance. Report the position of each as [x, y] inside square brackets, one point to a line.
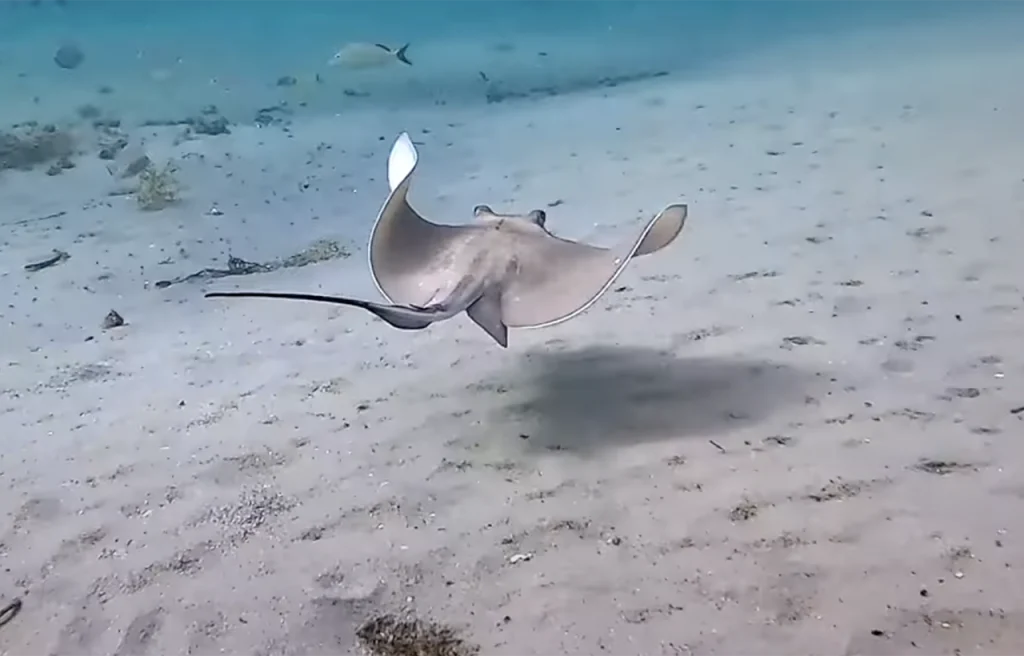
[69, 56]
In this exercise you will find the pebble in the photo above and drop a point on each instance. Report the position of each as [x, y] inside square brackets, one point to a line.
[69, 56]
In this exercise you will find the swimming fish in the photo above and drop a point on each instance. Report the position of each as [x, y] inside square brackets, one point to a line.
[368, 55]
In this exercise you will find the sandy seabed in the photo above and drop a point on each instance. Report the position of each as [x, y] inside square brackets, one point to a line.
[797, 430]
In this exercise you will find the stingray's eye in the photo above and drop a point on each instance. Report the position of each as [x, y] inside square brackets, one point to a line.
[539, 217]
[482, 209]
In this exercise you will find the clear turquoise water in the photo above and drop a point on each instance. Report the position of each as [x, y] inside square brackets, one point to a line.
[231, 52]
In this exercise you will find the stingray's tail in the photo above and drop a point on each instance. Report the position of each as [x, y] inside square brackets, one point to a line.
[399, 316]
[295, 296]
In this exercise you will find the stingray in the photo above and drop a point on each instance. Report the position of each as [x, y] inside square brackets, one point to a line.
[503, 270]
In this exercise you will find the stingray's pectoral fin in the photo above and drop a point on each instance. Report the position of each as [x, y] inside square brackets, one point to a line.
[402, 317]
[662, 230]
[486, 313]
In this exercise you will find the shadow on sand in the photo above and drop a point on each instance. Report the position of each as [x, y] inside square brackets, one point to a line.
[604, 397]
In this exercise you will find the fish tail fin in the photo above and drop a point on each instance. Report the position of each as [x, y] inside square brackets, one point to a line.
[401, 55]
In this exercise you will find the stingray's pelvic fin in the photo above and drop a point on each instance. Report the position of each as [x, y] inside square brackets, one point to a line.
[486, 313]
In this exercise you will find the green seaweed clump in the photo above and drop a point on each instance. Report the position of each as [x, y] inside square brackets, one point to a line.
[158, 188]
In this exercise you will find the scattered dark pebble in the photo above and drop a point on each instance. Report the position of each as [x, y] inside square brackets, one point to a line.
[208, 122]
[781, 440]
[915, 344]
[801, 340]
[88, 111]
[56, 258]
[286, 81]
[112, 320]
[743, 512]
[10, 611]
[60, 166]
[110, 150]
[273, 115]
[69, 56]
[209, 125]
[964, 392]
[940, 467]
[312, 534]
[749, 275]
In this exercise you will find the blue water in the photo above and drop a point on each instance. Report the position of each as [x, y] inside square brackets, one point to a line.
[176, 55]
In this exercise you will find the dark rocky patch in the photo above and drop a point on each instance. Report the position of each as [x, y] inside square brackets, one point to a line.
[30, 145]
[387, 635]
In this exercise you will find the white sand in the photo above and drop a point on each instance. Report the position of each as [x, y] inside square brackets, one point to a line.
[665, 475]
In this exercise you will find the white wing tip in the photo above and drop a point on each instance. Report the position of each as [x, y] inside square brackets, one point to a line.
[402, 160]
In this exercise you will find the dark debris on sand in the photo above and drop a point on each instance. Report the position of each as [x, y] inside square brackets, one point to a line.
[29, 145]
[387, 635]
